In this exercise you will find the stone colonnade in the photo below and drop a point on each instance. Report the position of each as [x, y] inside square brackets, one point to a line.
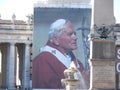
[15, 51]
[9, 58]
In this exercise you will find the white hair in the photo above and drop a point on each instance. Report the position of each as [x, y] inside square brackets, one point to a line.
[56, 27]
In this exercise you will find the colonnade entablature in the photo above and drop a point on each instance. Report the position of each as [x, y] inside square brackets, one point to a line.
[15, 36]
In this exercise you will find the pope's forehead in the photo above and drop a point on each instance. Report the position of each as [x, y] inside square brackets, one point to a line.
[68, 30]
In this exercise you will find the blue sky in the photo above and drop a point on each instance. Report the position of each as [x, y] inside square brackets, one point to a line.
[22, 8]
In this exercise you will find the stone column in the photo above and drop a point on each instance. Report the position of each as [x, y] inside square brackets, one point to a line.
[10, 65]
[102, 14]
[26, 68]
[102, 46]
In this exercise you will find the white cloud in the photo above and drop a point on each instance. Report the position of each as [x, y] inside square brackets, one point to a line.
[21, 8]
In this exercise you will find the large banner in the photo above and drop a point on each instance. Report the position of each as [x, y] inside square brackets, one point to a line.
[81, 20]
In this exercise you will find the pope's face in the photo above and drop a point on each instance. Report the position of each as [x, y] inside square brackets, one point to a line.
[67, 39]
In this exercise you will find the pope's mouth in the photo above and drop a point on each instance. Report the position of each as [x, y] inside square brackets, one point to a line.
[74, 43]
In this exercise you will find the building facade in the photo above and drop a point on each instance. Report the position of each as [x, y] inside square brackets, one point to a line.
[16, 41]
[15, 53]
